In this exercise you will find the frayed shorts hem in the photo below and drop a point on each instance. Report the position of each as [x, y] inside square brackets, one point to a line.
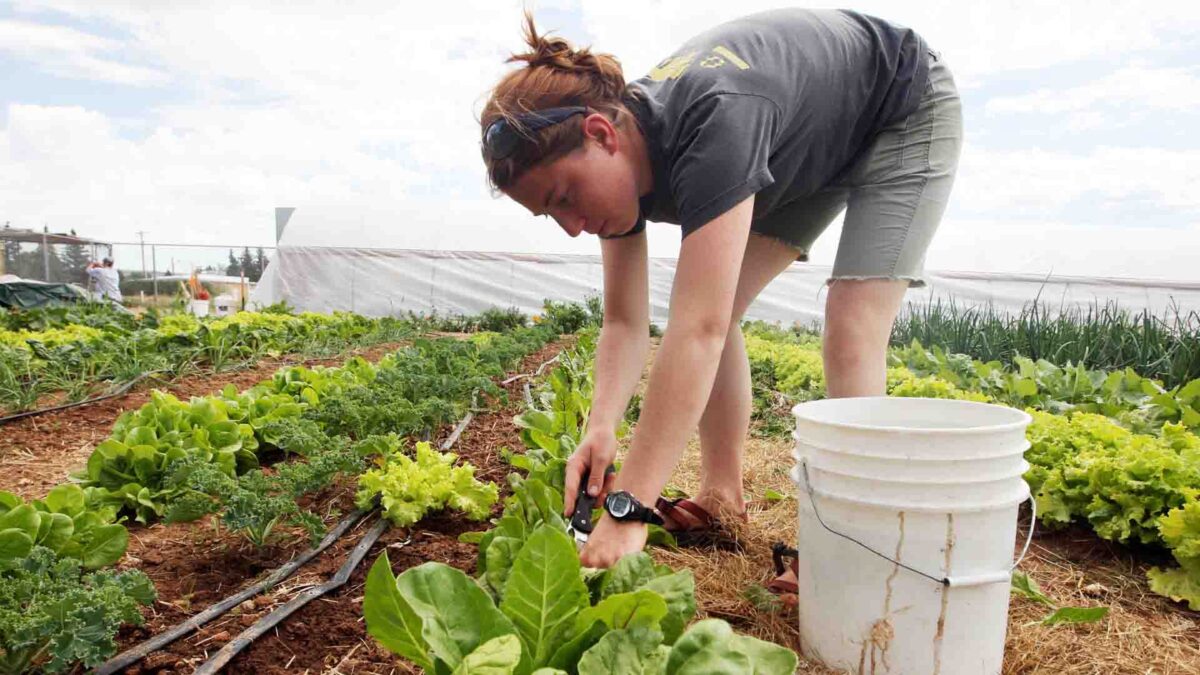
[913, 281]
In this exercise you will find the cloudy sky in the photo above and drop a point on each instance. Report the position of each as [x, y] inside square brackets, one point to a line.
[190, 121]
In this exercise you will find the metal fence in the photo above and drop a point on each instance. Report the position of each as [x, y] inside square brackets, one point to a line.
[145, 268]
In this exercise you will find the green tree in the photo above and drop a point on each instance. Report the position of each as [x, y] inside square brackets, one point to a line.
[247, 262]
[75, 259]
[234, 268]
[260, 263]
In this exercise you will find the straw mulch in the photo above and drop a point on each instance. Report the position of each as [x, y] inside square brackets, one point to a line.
[1143, 633]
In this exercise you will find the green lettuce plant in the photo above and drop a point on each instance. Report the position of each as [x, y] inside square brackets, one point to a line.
[63, 523]
[551, 618]
[410, 487]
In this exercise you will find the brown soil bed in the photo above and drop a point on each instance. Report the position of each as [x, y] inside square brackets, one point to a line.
[195, 565]
[37, 453]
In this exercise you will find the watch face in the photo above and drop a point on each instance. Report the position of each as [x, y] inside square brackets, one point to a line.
[619, 504]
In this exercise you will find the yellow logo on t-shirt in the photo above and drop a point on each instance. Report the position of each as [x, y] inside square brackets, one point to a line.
[675, 66]
[671, 68]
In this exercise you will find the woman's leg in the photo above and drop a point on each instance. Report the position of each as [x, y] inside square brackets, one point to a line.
[858, 323]
[726, 418]
[898, 192]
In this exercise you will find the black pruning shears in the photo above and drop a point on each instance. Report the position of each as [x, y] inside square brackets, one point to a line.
[580, 526]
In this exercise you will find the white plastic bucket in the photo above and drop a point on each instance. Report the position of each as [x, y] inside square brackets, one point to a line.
[199, 307]
[908, 517]
[223, 305]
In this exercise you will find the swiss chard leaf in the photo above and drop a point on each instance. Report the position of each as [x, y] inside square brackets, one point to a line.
[544, 592]
[498, 656]
[456, 615]
[1075, 615]
[637, 652]
[625, 610]
[389, 618]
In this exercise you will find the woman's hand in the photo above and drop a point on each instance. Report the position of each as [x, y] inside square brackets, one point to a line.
[611, 540]
[594, 455]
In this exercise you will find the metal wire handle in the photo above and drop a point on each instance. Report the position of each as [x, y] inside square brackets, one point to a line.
[943, 580]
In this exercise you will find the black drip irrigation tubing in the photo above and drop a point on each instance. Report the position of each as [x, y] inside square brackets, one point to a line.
[260, 627]
[120, 391]
[266, 623]
[141, 651]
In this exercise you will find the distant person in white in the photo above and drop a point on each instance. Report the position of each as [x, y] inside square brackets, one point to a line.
[107, 279]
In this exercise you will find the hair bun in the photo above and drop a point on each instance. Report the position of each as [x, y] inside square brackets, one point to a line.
[556, 52]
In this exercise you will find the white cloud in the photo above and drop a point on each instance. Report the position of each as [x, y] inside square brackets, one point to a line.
[67, 52]
[373, 104]
[1171, 89]
[1065, 249]
[1022, 181]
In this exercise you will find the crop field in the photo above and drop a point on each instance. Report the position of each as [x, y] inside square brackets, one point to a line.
[286, 493]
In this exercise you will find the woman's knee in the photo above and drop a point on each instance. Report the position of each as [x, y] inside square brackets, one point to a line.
[865, 307]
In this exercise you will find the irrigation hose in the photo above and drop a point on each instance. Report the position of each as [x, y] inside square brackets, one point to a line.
[260, 627]
[120, 391]
[144, 649]
[133, 655]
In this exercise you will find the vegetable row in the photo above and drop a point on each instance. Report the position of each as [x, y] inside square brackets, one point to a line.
[531, 607]
[75, 361]
[180, 460]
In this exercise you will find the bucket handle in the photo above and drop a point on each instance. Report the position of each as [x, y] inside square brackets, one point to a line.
[972, 580]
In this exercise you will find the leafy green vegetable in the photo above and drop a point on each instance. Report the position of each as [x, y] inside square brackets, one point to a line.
[409, 488]
[256, 503]
[544, 592]
[63, 523]
[498, 656]
[436, 616]
[1025, 586]
[1075, 615]
[626, 651]
[1180, 531]
[772, 495]
[1178, 584]
[1119, 481]
[52, 615]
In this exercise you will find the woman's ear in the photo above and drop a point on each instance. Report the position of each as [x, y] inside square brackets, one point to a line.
[598, 128]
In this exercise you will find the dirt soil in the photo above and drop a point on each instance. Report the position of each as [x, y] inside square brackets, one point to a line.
[194, 565]
[37, 453]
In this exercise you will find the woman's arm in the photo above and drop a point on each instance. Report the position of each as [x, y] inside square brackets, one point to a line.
[625, 336]
[620, 358]
[685, 367]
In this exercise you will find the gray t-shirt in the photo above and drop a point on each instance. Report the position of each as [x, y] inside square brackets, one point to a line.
[775, 105]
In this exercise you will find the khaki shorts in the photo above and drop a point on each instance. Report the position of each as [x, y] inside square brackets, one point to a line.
[894, 194]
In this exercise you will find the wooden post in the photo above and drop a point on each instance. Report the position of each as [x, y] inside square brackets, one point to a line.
[45, 254]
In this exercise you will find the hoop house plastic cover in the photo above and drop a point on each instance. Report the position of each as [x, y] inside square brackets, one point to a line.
[320, 267]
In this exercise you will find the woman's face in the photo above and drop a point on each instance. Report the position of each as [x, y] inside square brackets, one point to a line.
[591, 189]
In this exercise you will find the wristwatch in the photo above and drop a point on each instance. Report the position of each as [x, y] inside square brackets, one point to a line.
[625, 507]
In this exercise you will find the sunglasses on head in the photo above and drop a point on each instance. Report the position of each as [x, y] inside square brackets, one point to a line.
[501, 139]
